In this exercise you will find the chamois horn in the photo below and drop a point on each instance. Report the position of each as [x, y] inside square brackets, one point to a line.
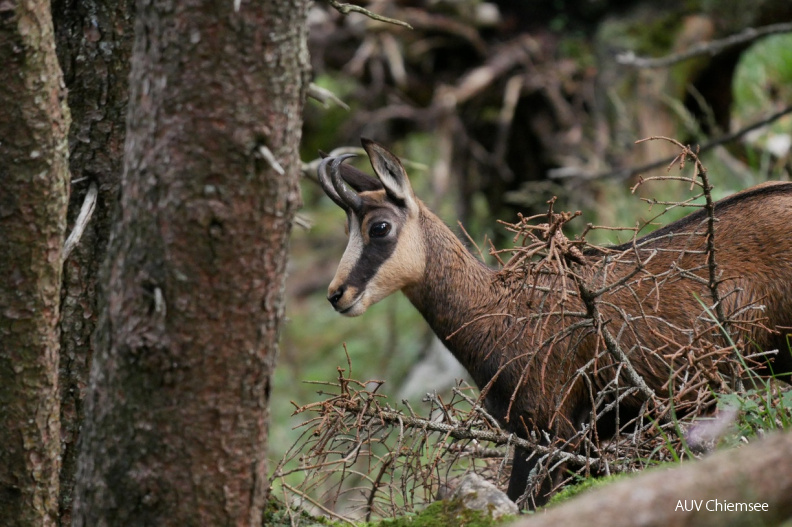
[335, 186]
[327, 186]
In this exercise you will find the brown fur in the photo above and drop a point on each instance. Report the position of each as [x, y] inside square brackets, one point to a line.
[528, 365]
[458, 290]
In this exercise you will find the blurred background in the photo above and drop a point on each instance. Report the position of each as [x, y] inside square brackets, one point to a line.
[496, 107]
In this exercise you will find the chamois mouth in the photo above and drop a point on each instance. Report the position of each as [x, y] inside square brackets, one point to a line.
[352, 310]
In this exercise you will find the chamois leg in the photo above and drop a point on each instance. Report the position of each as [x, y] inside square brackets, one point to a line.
[518, 482]
[781, 365]
[521, 468]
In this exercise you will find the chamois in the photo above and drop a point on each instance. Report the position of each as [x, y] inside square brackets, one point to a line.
[529, 365]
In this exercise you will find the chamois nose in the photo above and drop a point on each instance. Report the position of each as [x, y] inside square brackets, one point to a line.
[336, 295]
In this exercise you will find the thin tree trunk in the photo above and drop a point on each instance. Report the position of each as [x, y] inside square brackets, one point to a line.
[94, 45]
[34, 184]
[177, 407]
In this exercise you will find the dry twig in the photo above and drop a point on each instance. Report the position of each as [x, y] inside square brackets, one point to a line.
[345, 9]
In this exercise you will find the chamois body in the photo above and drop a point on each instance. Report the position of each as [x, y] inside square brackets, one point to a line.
[536, 386]
[529, 364]
[460, 296]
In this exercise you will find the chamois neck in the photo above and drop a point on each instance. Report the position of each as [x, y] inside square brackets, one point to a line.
[456, 291]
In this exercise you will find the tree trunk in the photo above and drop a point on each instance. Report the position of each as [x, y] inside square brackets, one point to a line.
[94, 45]
[34, 187]
[176, 414]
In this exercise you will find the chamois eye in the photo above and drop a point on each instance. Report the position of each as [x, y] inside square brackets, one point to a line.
[379, 230]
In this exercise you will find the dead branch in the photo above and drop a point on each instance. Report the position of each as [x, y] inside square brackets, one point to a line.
[512, 54]
[627, 173]
[325, 96]
[345, 9]
[613, 347]
[700, 172]
[710, 48]
[455, 431]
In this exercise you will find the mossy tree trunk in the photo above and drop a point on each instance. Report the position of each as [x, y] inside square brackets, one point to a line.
[176, 414]
[94, 45]
[34, 185]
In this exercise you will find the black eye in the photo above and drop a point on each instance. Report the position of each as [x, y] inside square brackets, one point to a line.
[379, 230]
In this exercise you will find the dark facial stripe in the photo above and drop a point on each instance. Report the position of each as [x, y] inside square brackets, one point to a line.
[373, 255]
[376, 251]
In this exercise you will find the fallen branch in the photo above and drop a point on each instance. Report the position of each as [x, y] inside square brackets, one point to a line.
[461, 432]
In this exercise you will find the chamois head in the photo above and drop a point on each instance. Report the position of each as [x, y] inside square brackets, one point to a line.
[385, 251]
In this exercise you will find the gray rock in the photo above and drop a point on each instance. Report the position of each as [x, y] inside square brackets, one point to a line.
[475, 493]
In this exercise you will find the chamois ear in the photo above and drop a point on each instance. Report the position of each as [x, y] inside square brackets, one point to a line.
[358, 180]
[390, 172]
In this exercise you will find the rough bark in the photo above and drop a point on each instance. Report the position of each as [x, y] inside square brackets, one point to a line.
[176, 414]
[94, 45]
[761, 472]
[34, 122]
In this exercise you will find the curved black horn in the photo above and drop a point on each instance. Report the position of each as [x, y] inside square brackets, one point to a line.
[349, 196]
[327, 186]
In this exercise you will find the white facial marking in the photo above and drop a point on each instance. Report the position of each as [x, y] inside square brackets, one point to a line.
[350, 304]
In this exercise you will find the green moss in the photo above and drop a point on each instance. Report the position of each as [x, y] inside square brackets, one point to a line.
[438, 514]
[442, 514]
[585, 485]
